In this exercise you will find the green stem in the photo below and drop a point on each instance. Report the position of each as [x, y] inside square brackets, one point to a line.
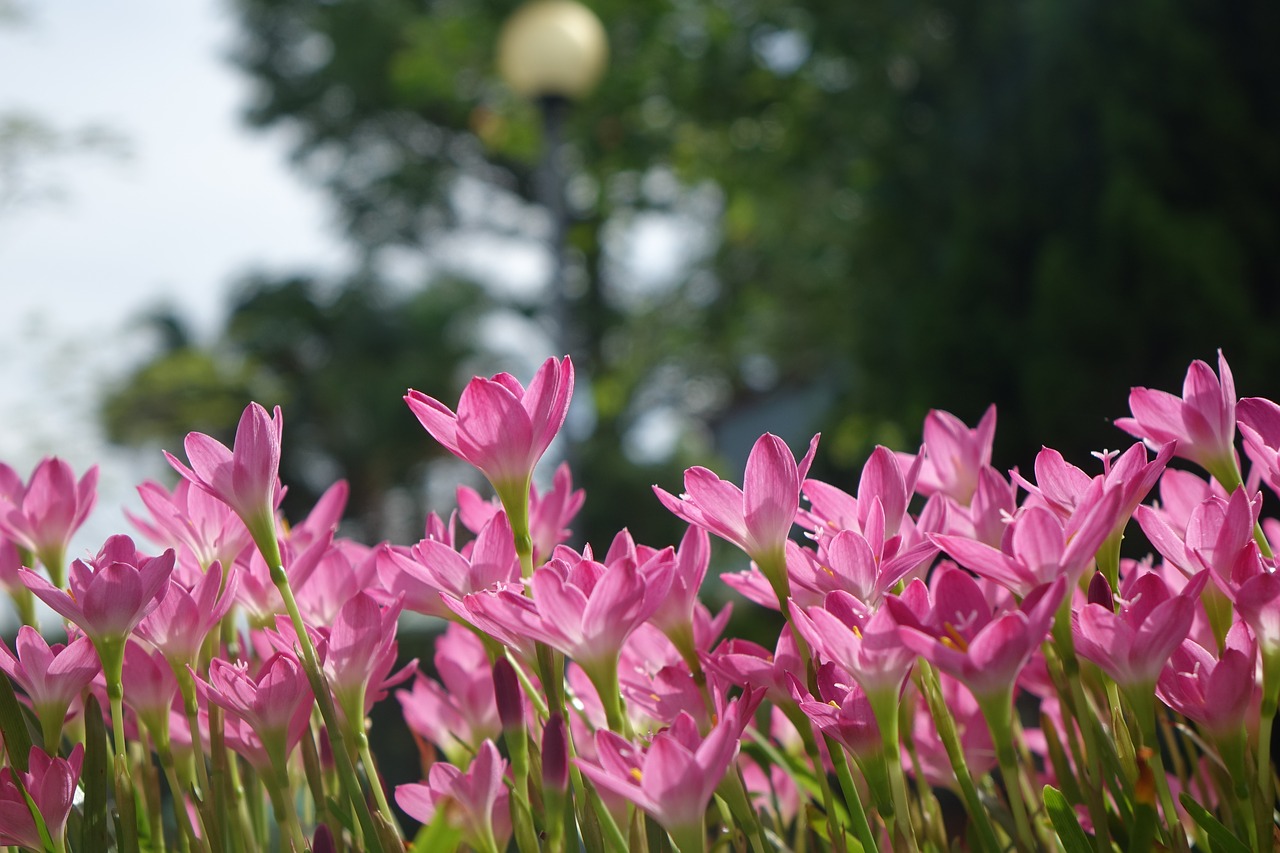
[1142, 698]
[997, 710]
[854, 802]
[950, 737]
[324, 699]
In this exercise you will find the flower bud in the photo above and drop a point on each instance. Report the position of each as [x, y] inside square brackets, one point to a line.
[555, 756]
[506, 692]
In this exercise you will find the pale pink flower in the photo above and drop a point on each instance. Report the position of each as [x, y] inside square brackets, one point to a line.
[758, 517]
[275, 702]
[245, 478]
[1132, 646]
[475, 802]
[43, 515]
[581, 607]
[51, 783]
[109, 594]
[183, 618]
[1202, 421]
[459, 712]
[501, 427]
[431, 569]
[360, 652]
[53, 677]
[191, 518]
[953, 454]
[674, 778]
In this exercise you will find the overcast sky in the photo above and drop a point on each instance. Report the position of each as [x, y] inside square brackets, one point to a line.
[198, 201]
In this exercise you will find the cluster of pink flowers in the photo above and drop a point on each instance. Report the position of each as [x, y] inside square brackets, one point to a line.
[945, 626]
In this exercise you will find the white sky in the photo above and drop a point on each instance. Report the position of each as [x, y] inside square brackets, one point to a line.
[199, 201]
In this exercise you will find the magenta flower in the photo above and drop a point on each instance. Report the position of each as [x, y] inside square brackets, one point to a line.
[954, 454]
[1260, 425]
[360, 652]
[111, 593]
[501, 427]
[51, 783]
[953, 627]
[673, 780]
[183, 618]
[758, 517]
[275, 702]
[245, 478]
[1218, 692]
[865, 643]
[42, 516]
[475, 802]
[432, 568]
[1133, 645]
[1037, 548]
[149, 688]
[1202, 421]
[53, 677]
[581, 607]
[841, 710]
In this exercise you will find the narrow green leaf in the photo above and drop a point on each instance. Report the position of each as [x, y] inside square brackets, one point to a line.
[1065, 822]
[1221, 839]
[13, 725]
[94, 779]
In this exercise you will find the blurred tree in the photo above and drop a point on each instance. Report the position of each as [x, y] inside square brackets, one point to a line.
[337, 359]
[880, 207]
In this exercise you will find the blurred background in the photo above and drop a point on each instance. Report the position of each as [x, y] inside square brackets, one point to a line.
[782, 216]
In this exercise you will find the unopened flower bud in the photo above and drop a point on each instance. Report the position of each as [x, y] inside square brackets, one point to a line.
[506, 692]
[555, 756]
[1100, 592]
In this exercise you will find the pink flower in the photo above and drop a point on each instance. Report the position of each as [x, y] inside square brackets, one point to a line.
[43, 515]
[952, 626]
[581, 607]
[245, 478]
[501, 427]
[191, 517]
[1260, 426]
[954, 454]
[111, 593]
[432, 568]
[1202, 421]
[51, 783]
[360, 652]
[1132, 646]
[1037, 549]
[53, 677]
[1216, 692]
[674, 778]
[549, 512]
[275, 702]
[841, 710]
[475, 802]
[183, 618]
[758, 517]
[458, 712]
[865, 643]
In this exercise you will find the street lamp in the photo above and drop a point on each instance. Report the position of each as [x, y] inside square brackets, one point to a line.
[554, 53]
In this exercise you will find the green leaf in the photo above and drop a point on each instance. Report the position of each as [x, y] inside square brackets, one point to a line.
[1065, 823]
[93, 779]
[1221, 840]
[13, 725]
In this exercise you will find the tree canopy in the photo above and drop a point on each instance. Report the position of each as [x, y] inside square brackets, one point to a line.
[887, 207]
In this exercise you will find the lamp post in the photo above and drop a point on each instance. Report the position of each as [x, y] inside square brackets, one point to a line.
[554, 53]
